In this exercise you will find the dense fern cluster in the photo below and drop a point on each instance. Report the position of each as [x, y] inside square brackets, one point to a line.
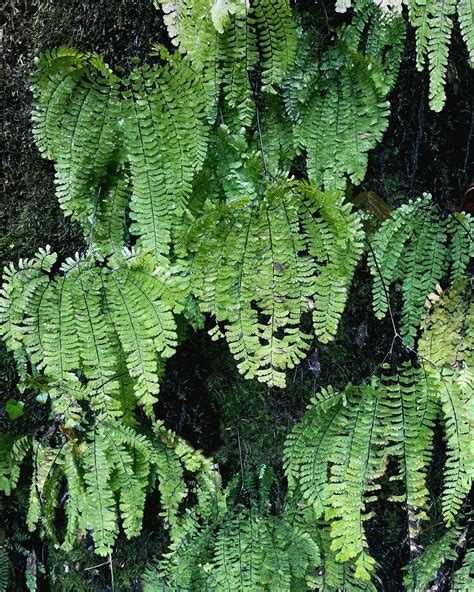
[336, 458]
[216, 180]
[303, 250]
[108, 468]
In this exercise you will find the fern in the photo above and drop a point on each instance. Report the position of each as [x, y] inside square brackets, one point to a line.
[464, 575]
[447, 344]
[248, 551]
[262, 321]
[465, 9]
[111, 121]
[424, 568]
[433, 22]
[335, 457]
[412, 246]
[77, 107]
[344, 113]
[81, 324]
[107, 468]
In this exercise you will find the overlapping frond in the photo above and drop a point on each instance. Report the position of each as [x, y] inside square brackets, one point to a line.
[78, 326]
[245, 551]
[261, 320]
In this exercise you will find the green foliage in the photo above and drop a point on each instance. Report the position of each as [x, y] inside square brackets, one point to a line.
[424, 568]
[300, 247]
[108, 468]
[243, 550]
[150, 127]
[90, 325]
[463, 576]
[417, 248]
[433, 23]
[210, 180]
[342, 112]
[349, 437]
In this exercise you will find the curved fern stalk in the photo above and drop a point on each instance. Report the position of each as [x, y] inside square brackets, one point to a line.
[75, 116]
[447, 341]
[418, 248]
[262, 320]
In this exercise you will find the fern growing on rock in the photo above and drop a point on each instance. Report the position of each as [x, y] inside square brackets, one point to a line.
[215, 180]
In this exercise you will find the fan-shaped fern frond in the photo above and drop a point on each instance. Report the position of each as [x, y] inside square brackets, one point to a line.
[262, 319]
[81, 324]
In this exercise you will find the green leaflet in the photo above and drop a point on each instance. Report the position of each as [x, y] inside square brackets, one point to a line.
[233, 242]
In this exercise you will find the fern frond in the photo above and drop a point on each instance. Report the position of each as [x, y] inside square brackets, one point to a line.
[309, 449]
[465, 9]
[12, 453]
[424, 569]
[447, 342]
[418, 248]
[344, 118]
[277, 39]
[465, 574]
[262, 320]
[358, 460]
[75, 117]
[411, 411]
